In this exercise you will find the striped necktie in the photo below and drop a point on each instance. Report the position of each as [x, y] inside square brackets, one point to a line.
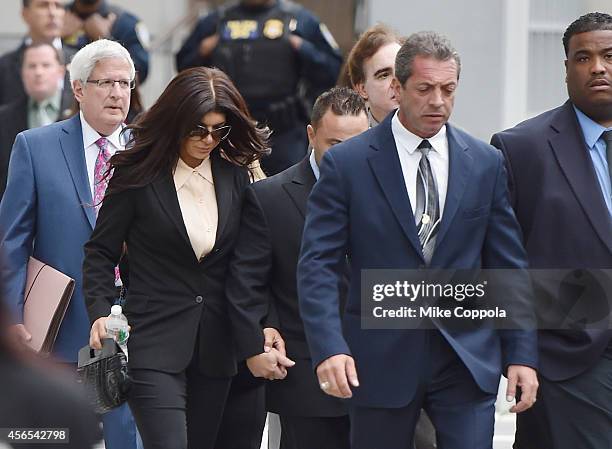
[427, 211]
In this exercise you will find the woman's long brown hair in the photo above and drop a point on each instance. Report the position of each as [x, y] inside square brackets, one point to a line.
[155, 138]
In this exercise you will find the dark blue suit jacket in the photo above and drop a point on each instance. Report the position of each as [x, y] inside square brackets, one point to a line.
[47, 212]
[360, 207]
[565, 221]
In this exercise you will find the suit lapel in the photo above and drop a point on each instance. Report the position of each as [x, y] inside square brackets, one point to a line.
[459, 169]
[166, 192]
[569, 147]
[224, 187]
[71, 142]
[385, 165]
[301, 185]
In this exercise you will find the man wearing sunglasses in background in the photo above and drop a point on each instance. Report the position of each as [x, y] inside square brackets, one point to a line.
[55, 187]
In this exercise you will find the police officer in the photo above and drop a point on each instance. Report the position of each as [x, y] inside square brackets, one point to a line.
[279, 56]
[90, 20]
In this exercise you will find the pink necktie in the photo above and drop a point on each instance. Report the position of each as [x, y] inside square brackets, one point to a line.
[100, 181]
[100, 169]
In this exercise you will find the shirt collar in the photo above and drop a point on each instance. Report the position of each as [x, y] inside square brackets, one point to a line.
[590, 128]
[90, 135]
[57, 42]
[411, 141]
[54, 101]
[313, 165]
[183, 172]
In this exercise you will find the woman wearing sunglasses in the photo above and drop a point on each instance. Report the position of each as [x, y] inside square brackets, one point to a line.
[175, 199]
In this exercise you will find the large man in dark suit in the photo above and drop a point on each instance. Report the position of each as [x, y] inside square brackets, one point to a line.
[559, 176]
[263, 275]
[369, 204]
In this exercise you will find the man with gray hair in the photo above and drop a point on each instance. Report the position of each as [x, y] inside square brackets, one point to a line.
[413, 193]
[55, 186]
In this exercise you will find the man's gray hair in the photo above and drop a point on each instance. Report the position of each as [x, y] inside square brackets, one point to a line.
[87, 57]
[424, 43]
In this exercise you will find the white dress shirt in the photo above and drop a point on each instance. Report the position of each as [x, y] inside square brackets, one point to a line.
[313, 164]
[195, 189]
[410, 158]
[90, 136]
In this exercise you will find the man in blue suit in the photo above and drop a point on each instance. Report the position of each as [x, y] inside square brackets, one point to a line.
[559, 168]
[54, 188]
[369, 204]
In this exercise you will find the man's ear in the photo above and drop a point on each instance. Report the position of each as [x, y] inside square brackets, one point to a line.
[565, 64]
[396, 86]
[77, 90]
[360, 89]
[311, 135]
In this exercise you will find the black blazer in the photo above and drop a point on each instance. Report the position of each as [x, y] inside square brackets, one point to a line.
[173, 298]
[565, 222]
[263, 283]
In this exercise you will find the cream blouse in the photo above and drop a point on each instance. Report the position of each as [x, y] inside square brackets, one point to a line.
[195, 189]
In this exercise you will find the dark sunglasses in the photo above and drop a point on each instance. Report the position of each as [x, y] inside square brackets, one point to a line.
[201, 132]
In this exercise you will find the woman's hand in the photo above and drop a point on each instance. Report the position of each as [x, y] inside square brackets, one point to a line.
[97, 333]
[273, 339]
[269, 365]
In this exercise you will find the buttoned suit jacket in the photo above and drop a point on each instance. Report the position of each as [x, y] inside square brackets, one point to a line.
[176, 303]
[565, 222]
[360, 207]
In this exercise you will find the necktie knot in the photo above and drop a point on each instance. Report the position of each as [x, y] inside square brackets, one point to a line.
[424, 147]
[102, 143]
[607, 136]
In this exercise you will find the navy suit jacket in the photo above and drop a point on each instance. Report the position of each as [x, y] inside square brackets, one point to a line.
[47, 212]
[360, 207]
[566, 224]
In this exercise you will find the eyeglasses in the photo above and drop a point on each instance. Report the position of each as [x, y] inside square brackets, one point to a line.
[107, 84]
[201, 132]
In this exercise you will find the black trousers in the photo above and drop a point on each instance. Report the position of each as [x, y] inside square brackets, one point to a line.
[572, 414]
[298, 432]
[176, 411]
[244, 416]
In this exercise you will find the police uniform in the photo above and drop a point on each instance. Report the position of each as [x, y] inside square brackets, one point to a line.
[127, 29]
[254, 50]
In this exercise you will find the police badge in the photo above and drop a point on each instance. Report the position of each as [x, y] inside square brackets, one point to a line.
[273, 29]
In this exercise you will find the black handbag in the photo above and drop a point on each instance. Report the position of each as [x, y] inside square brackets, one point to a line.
[104, 373]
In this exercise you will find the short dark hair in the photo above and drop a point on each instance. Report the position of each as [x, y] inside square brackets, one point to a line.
[341, 101]
[423, 43]
[592, 21]
[26, 3]
[59, 54]
[366, 46]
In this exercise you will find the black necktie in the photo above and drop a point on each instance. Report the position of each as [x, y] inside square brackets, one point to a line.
[607, 137]
[427, 210]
